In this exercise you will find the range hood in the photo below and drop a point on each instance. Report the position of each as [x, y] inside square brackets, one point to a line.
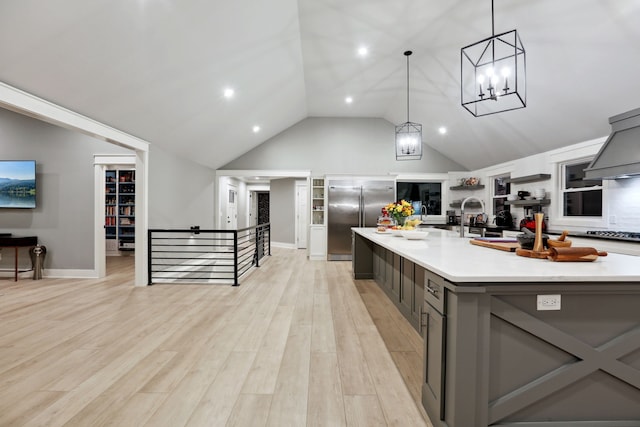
[619, 157]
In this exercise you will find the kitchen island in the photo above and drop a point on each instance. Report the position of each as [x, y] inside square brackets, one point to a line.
[512, 340]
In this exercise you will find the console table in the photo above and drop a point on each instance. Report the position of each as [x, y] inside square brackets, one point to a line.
[17, 243]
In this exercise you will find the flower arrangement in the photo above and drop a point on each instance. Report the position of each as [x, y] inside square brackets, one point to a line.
[398, 211]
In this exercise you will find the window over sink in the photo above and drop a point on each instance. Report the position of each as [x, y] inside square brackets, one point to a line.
[427, 194]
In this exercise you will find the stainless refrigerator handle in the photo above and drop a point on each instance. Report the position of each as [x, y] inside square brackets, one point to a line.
[362, 205]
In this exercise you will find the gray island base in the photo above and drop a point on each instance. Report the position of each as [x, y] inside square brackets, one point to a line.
[513, 341]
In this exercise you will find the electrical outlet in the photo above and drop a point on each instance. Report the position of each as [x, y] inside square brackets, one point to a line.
[549, 302]
[612, 219]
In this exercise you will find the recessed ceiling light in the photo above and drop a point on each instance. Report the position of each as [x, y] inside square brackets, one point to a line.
[228, 93]
[256, 129]
[363, 51]
[348, 100]
[442, 130]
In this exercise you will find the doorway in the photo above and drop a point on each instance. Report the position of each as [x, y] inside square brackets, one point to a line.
[232, 207]
[102, 163]
[263, 207]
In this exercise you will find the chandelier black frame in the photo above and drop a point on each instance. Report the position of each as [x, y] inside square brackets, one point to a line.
[408, 134]
[501, 60]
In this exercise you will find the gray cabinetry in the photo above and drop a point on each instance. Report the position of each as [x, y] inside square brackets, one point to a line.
[392, 276]
[407, 283]
[412, 294]
[434, 345]
[417, 301]
[401, 279]
[379, 263]
[493, 359]
[363, 249]
[496, 355]
[433, 378]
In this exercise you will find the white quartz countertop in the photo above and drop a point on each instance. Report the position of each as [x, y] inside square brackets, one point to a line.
[445, 253]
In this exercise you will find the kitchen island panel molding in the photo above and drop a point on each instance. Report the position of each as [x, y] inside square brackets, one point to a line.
[493, 359]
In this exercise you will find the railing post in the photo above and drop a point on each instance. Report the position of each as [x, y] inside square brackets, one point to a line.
[235, 258]
[149, 258]
[257, 247]
[269, 241]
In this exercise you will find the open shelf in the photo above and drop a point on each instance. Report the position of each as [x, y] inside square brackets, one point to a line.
[533, 202]
[317, 201]
[466, 187]
[468, 205]
[529, 178]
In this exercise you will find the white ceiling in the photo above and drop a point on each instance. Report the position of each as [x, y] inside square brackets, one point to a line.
[157, 68]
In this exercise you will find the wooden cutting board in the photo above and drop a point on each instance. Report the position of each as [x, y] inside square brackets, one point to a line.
[502, 246]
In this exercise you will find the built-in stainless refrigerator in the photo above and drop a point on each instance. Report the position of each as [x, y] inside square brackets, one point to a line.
[353, 204]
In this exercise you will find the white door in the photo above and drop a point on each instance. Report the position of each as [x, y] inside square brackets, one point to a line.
[302, 215]
[232, 207]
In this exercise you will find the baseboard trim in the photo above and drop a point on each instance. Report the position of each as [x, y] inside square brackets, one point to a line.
[51, 273]
[283, 245]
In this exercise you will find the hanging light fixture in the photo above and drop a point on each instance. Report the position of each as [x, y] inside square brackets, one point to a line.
[408, 135]
[493, 73]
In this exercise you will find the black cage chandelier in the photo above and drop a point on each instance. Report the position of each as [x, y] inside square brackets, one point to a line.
[493, 73]
[408, 134]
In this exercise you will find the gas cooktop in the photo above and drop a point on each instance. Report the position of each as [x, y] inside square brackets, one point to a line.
[618, 235]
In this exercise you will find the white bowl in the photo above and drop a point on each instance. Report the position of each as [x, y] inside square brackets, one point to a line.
[414, 234]
[512, 197]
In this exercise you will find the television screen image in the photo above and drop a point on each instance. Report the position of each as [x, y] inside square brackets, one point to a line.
[17, 184]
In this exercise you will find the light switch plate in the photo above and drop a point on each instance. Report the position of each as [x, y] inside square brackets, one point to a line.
[549, 302]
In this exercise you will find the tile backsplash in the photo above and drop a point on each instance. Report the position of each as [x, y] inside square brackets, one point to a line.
[624, 204]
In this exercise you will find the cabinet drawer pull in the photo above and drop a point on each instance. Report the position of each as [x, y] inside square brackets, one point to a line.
[432, 291]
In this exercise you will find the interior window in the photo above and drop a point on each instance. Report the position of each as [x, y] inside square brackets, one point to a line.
[580, 197]
[428, 194]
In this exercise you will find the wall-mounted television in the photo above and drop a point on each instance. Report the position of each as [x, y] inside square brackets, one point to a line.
[18, 184]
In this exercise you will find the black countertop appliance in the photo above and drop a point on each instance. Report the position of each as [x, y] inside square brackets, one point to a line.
[451, 217]
[504, 219]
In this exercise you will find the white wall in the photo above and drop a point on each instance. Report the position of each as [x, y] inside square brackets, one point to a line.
[624, 204]
[621, 203]
[64, 217]
[282, 210]
[358, 146]
[181, 193]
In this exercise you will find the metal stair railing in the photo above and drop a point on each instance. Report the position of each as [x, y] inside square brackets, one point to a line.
[205, 256]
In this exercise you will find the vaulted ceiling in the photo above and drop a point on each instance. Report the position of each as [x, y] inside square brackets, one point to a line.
[157, 69]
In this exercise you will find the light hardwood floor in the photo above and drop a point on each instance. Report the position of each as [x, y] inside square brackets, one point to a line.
[299, 343]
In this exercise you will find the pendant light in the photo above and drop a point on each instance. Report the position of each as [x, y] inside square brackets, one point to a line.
[408, 134]
[493, 73]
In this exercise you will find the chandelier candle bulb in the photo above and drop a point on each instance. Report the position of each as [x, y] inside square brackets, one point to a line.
[480, 81]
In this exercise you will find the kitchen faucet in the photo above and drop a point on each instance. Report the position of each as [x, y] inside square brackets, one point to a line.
[462, 212]
[423, 211]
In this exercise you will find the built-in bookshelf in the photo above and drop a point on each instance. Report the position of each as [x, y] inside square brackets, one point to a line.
[120, 209]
